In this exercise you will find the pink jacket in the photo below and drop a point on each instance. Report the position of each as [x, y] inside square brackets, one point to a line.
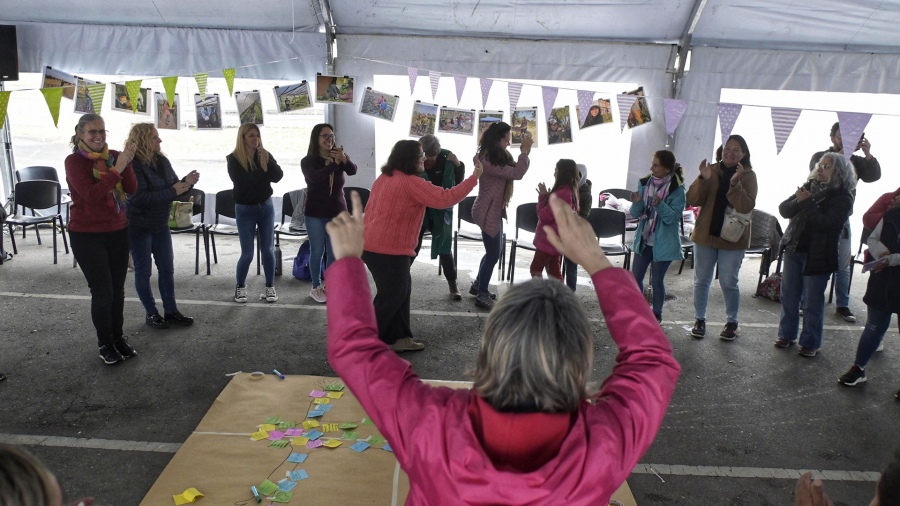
[488, 207]
[431, 433]
[545, 217]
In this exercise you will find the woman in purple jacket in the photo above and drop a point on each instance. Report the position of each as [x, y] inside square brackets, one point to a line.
[323, 167]
[495, 190]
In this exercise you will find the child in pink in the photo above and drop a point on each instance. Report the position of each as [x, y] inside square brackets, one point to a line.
[566, 189]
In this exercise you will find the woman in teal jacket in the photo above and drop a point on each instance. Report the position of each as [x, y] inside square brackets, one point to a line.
[658, 203]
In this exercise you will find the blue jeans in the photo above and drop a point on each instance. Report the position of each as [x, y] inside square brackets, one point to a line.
[877, 323]
[158, 243]
[570, 271]
[492, 247]
[249, 218]
[794, 285]
[729, 262]
[319, 246]
[842, 276]
[639, 265]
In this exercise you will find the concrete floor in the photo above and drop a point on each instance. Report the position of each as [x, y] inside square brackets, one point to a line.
[742, 408]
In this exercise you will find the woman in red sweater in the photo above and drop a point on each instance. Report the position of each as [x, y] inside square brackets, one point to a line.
[100, 180]
[393, 220]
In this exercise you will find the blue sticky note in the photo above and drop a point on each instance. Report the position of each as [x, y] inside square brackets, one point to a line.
[324, 407]
[287, 485]
[360, 446]
[387, 447]
[313, 435]
[316, 413]
[299, 474]
[299, 458]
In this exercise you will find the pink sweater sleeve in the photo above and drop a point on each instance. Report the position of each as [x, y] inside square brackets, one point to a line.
[435, 197]
[633, 400]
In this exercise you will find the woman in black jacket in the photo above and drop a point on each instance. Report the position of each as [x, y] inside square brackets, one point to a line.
[148, 224]
[817, 211]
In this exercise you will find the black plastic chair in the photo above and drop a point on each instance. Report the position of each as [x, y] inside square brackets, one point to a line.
[198, 228]
[621, 194]
[527, 220]
[363, 196]
[38, 194]
[464, 213]
[41, 172]
[611, 223]
[687, 247]
[225, 207]
[287, 209]
[858, 259]
[765, 237]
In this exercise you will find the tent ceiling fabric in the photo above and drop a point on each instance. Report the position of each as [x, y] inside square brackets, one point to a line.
[824, 25]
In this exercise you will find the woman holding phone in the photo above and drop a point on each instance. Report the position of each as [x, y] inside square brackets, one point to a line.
[323, 167]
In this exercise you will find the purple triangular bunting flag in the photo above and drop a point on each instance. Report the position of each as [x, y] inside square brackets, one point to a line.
[625, 102]
[674, 110]
[485, 90]
[460, 82]
[584, 104]
[413, 74]
[728, 115]
[852, 125]
[549, 94]
[783, 121]
[435, 78]
[514, 90]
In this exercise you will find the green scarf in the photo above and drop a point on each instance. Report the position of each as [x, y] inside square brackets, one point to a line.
[442, 219]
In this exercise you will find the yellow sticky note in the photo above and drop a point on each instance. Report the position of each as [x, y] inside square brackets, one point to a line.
[188, 496]
[322, 400]
[256, 436]
[268, 427]
[309, 424]
[334, 395]
[330, 427]
[333, 443]
[300, 440]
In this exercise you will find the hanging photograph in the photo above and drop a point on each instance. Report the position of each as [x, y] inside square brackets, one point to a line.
[486, 119]
[559, 126]
[167, 115]
[523, 121]
[209, 112]
[292, 97]
[334, 89]
[121, 102]
[457, 121]
[599, 113]
[53, 78]
[249, 106]
[639, 113]
[424, 117]
[84, 103]
[379, 104]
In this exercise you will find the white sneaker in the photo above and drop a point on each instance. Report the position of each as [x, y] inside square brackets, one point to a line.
[270, 295]
[240, 294]
[880, 346]
[318, 294]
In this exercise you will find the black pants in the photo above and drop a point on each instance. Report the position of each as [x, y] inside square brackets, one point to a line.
[394, 289]
[103, 258]
[446, 260]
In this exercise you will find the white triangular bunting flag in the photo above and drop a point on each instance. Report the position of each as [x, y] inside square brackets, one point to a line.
[513, 90]
[584, 104]
[460, 82]
[852, 125]
[435, 78]
[783, 121]
[674, 110]
[413, 74]
[728, 115]
[625, 102]
[485, 90]
[549, 93]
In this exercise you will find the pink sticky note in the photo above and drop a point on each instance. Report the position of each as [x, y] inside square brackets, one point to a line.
[293, 432]
[275, 435]
[317, 393]
[314, 444]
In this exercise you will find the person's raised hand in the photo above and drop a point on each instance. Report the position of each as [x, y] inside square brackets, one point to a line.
[479, 168]
[705, 169]
[263, 158]
[192, 178]
[810, 492]
[338, 155]
[346, 231]
[802, 194]
[576, 239]
[125, 157]
[635, 197]
[896, 201]
[541, 189]
[527, 142]
[737, 174]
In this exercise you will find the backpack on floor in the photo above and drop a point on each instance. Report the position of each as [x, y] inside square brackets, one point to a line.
[301, 263]
[770, 288]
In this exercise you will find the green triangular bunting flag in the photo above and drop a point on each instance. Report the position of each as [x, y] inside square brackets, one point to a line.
[53, 96]
[134, 93]
[229, 79]
[96, 92]
[4, 101]
[201, 83]
[169, 84]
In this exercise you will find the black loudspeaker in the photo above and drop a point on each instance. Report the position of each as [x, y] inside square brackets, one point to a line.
[9, 54]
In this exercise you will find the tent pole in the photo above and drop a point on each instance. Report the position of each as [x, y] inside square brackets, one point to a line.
[6, 177]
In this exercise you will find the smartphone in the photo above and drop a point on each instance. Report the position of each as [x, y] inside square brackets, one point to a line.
[859, 144]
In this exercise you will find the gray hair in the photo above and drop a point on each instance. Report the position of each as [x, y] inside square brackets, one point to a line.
[537, 350]
[843, 172]
[79, 128]
[26, 482]
[430, 145]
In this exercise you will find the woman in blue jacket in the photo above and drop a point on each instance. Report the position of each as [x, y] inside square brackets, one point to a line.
[658, 203]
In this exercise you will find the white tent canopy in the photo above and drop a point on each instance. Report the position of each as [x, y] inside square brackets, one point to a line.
[765, 44]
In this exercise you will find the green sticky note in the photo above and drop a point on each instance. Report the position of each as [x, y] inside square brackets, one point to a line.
[334, 387]
[367, 421]
[273, 420]
[287, 424]
[375, 440]
[350, 435]
[282, 496]
[267, 487]
[281, 443]
[347, 425]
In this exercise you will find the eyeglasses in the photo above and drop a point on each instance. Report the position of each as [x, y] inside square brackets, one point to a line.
[97, 132]
[327, 137]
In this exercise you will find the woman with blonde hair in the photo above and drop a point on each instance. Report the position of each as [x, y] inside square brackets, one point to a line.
[25, 481]
[148, 210]
[253, 170]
